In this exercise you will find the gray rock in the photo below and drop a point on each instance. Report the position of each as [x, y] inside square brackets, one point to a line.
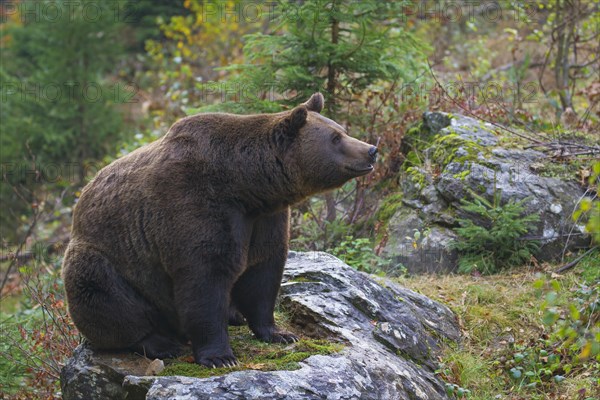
[94, 375]
[471, 129]
[511, 172]
[431, 195]
[554, 199]
[431, 253]
[435, 122]
[391, 336]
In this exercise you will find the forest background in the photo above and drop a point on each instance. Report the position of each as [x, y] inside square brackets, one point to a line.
[85, 82]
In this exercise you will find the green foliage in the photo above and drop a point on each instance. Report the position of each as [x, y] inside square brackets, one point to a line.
[589, 207]
[338, 46]
[38, 336]
[507, 348]
[452, 389]
[313, 232]
[388, 207]
[144, 17]
[359, 254]
[495, 242]
[12, 368]
[62, 105]
[184, 62]
[589, 267]
[531, 366]
[571, 343]
[58, 108]
[574, 326]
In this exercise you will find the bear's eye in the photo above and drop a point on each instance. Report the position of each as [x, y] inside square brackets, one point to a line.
[336, 138]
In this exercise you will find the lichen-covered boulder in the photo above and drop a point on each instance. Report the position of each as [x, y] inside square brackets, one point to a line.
[390, 334]
[451, 156]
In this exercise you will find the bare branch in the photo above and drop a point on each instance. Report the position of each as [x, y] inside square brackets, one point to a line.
[574, 262]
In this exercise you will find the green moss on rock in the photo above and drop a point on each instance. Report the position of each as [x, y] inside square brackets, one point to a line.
[255, 355]
[389, 206]
[302, 279]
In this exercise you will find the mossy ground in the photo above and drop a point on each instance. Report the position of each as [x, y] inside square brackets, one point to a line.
[498, 314]
[253, 354]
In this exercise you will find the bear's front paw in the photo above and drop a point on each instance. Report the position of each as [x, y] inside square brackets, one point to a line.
[212, 359]
[284, 337]
[272, 335]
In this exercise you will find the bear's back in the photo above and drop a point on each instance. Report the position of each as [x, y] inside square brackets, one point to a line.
[204, 149]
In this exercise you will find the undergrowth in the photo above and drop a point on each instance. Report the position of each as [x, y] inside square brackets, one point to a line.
[37, 335]
[526, 335]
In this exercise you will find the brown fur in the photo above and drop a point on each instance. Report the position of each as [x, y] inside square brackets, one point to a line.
[172, 239]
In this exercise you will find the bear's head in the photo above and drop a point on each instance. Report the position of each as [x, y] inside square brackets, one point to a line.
[324, 155]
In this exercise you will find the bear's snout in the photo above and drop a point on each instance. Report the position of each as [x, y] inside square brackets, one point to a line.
[373, 153]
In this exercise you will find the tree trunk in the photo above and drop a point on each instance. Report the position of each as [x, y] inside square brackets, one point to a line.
[331, 69]
[565, 23]
[331, 103]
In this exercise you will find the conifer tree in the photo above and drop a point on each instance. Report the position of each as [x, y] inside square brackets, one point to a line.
[338, 47]
[56, 99]
[57, 109]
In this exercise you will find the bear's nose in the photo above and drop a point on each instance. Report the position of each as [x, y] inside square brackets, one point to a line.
[373, 153]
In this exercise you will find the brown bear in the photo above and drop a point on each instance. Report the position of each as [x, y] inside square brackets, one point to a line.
[173, 238]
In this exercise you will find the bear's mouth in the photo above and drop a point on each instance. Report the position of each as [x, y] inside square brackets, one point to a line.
[361, 170]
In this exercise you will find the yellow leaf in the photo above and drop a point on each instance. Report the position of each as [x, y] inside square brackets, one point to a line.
[586, 204]
[586, 351]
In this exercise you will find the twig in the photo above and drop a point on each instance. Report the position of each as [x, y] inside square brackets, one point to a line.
[562, 144]
[508, 66]
[574, 262]
[29, 254]
[14, 260]
[581, 153]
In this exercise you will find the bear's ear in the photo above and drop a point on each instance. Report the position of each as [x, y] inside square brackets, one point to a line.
[287, 129]
[315, 103]
[298, 117]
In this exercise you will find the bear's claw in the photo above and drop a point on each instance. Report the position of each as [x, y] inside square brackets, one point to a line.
[217, 362]
[281, 337]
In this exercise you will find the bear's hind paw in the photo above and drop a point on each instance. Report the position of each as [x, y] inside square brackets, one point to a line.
[157, 346]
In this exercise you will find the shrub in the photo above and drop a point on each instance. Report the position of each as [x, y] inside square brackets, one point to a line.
[496, 243]
[575, 326]
[36, 340]
[359, 254]
[569, 348]
[589, 207]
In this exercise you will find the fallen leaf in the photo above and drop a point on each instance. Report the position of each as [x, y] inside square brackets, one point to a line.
[258, 366]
